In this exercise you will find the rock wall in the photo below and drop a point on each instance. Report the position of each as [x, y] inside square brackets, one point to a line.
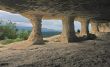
[104, 27]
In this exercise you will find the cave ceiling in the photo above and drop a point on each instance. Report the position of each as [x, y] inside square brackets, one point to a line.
[99, 9]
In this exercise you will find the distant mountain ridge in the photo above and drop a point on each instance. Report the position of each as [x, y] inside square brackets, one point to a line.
[30, 28]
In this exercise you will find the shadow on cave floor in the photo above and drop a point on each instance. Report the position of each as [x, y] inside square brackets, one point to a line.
[77, 39]
[87, 37]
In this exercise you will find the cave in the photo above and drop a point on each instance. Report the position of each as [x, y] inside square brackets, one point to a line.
[82, 10]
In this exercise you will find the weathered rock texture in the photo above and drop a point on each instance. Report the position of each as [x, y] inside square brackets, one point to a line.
[36, 34]
[103, 35]
[104, 27]
[68, 34]
[94, 26]
[85, 54]
[84, 25]
[99, 9]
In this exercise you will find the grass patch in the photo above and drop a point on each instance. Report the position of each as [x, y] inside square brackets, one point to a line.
[8, 41]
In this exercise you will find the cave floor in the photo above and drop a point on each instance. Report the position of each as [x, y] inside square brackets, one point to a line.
[91, 53]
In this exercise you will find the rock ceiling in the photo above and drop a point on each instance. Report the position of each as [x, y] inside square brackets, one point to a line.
[100, 9]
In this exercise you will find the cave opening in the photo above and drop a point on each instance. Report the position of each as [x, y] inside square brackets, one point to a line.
[51, 27]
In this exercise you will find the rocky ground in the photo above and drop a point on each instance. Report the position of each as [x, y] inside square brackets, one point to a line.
[91, 53]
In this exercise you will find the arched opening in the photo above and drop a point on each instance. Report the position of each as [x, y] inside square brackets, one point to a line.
[77, 25]
[13, 27]
[51, 27]
[90, 27]
[23, 26]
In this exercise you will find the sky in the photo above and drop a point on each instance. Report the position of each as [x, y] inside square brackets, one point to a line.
[23, 21]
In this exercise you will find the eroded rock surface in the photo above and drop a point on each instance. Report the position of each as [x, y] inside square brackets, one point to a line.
[85, 54]
[104, 27]
[94, 25]
[99, 9]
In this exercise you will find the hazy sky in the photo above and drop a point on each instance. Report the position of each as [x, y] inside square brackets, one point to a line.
[22, 21]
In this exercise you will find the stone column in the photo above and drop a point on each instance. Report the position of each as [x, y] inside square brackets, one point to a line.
[94, 26]
[36, 34]
[68, 33]
[84, 26]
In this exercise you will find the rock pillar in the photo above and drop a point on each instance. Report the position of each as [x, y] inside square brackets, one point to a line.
[84, 26]
[68, 32]
[36, 34]
[94, 26]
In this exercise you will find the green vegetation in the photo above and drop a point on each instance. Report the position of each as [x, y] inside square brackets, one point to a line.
[7, 41]
[9, 33]
[23, 34]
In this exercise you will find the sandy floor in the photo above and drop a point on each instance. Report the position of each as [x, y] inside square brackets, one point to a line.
[84, 54]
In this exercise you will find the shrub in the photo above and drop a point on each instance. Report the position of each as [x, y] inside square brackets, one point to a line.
[23, 34]
[8, 31]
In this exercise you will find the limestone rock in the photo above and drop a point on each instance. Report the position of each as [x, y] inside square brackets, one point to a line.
[104, 27]
[36, 34]
[103, 35]
[94, 26]
[68, 34]
[84, 26]
[98, 9]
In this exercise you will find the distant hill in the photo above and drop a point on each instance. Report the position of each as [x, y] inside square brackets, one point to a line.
[23, 28]
[46, 32]
[30, 28]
